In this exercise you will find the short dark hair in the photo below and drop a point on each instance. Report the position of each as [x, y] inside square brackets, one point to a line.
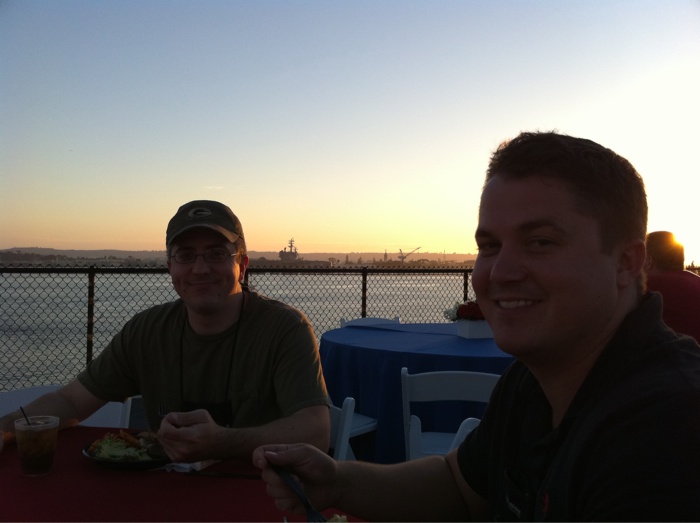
[667, 253]
[606, 185]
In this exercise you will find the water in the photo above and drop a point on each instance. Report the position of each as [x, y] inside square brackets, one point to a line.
[44, 324]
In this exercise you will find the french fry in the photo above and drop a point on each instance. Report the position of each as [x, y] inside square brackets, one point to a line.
[129, 439]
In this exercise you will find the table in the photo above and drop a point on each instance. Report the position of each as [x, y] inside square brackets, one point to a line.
[364, 361]
[78, 489]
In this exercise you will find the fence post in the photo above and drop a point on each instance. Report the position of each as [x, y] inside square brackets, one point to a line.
[90, 312]
[466, 286]
[364, 292]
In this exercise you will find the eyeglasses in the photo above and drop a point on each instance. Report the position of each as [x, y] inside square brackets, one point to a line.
[212, 256]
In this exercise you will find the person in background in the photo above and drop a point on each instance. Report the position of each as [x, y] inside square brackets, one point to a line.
[221, 370]
[597, 419]
[680, 289]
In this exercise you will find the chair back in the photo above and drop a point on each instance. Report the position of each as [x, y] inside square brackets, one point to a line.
[368, 321]
[112, 414]
[440, 386]
[463, 431]
[341, 422]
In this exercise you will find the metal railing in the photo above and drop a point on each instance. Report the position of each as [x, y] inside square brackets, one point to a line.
[54, 320]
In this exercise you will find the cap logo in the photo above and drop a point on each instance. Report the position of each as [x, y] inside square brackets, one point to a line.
[199, 212]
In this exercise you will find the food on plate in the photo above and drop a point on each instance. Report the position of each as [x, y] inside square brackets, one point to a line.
[338, 517]
[122, 446]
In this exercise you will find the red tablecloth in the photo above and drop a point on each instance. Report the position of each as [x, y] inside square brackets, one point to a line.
[78, 489]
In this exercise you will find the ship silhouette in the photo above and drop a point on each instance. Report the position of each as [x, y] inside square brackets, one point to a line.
[289, 255]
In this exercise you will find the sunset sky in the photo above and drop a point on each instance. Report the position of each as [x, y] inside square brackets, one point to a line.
[350, 126]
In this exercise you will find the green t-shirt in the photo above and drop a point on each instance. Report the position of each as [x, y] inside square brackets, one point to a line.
[267, 364]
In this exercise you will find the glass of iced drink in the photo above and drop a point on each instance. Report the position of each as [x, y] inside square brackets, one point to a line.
[36, 442]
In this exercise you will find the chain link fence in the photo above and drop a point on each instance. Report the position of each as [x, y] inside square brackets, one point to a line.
[54, 320]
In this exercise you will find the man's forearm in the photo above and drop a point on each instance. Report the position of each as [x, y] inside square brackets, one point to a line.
[311, 425]
[52, 404]
[418, 490]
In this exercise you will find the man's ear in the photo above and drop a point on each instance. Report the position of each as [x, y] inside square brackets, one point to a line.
[243, 266]
[631, 262]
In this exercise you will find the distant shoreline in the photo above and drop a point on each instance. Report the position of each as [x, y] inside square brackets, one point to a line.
[114, 256]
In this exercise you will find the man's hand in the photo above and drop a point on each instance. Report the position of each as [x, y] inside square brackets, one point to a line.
[187, 437]
[418, 490]
[315, 469]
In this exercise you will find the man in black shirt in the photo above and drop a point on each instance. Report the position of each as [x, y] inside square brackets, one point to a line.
[598, 417]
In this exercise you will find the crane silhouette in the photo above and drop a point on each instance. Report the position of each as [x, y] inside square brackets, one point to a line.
[403, 256]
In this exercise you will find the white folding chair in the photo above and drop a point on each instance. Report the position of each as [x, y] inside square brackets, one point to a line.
[341, 420]
[440, 386]
[358, 424]
[463, 431]
[112, 414]
[362, 424]
[368, 321]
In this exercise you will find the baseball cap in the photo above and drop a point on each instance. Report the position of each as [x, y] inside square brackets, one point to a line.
[204, 213]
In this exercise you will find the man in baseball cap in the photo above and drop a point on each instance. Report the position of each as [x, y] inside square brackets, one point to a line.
[235, 369]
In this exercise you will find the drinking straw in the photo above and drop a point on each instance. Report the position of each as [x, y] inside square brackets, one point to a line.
[25, 416]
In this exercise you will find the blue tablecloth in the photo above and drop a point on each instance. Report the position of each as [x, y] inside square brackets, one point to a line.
[365, 362]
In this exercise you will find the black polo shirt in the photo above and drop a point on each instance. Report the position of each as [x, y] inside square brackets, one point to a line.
[628, 447]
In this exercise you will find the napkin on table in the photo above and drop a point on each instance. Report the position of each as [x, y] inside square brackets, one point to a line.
[189, 467]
